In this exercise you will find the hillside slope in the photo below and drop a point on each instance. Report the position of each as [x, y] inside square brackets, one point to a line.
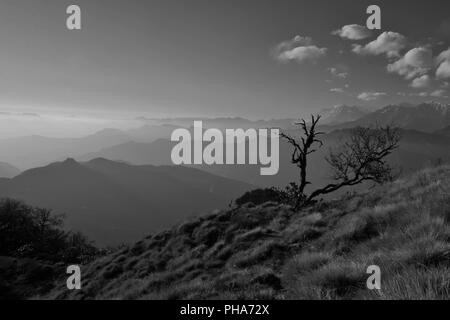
[22, 278]
[270, 251]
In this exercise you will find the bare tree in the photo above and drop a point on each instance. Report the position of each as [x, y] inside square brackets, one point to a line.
[361, 158]
[302, 149]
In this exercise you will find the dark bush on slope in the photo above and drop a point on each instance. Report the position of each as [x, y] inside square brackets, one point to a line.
[30, 232]
[260, 196]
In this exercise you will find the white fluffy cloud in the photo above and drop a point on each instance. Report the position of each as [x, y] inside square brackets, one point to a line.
[438, 93]
[370, 96]
[337, 90]
[302, 54]
[389, 43]
[421, 82]
[300, 49]
[443, 71]
[353, 32]
[443, 60]
[338, 73]
[416, 62]
[445, 55]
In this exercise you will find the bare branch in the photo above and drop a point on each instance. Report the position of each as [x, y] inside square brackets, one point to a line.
[362, 158]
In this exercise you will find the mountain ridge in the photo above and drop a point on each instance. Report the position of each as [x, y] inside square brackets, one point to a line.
[417, 149]
[8, 171]
[427, 117]
[115, 202]
[342, 113]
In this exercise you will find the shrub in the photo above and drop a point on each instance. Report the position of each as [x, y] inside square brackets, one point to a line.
[260, 196]
[30, 232]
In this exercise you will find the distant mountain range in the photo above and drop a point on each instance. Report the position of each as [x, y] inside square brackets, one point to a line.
[138, 189]
[222, 123]
[32, 151]
[426, 117]
[417, 149]
[7, 170]
[342, 114]
[113, 202]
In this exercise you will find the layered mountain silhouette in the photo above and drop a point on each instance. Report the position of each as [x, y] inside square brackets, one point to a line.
[426, 117]
[137, 189]
[417, 150]
[33, 151]
[341, 114]
[222, 123]
[114, 202]
[7, 170]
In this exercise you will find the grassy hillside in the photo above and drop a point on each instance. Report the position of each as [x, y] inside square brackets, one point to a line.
[269, 251]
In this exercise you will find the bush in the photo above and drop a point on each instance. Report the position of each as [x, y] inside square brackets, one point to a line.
[30, 232]
[260, 196]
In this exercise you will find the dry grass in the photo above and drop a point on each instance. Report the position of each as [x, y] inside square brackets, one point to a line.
[271, 252]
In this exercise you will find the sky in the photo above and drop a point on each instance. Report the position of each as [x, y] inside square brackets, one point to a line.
[249, 58]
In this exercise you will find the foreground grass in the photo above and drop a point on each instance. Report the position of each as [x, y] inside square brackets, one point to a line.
[272, 252]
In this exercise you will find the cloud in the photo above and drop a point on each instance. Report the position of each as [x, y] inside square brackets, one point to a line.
[443, 71]
[438, 93]
[416, 62]
[421, 82]
[338, 73]
[337, 90]
[353, 32]
[300, 49]
[443, 61]
[420, 94]
[371, 96]
[389, 43]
